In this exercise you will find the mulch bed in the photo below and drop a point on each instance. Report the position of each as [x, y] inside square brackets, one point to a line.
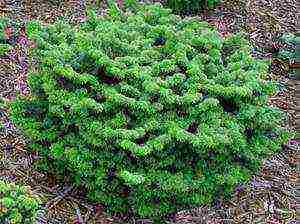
[270, 197]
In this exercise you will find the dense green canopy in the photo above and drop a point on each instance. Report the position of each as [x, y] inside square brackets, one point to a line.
[150, 112]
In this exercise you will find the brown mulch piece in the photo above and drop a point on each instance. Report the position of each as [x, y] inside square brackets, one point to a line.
[8, 77]
[270, 197]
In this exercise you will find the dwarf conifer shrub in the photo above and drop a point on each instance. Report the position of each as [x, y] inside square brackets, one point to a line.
[149, 112]
[17, 204]
[188, 7]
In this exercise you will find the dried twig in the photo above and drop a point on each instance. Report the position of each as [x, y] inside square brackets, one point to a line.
[60, 196]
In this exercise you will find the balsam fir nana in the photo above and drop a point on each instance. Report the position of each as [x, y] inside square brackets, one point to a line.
[189, 7]
[149, 112]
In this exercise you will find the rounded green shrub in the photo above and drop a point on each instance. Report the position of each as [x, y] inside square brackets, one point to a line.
[190, 6]
[149, 112]
[17, 204]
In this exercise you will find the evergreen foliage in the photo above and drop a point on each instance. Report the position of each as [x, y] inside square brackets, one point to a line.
[288, 51]
[190, 6]
[17, 204]
[149, 112]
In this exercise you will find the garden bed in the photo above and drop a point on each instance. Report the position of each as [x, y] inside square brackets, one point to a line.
[271, 195]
